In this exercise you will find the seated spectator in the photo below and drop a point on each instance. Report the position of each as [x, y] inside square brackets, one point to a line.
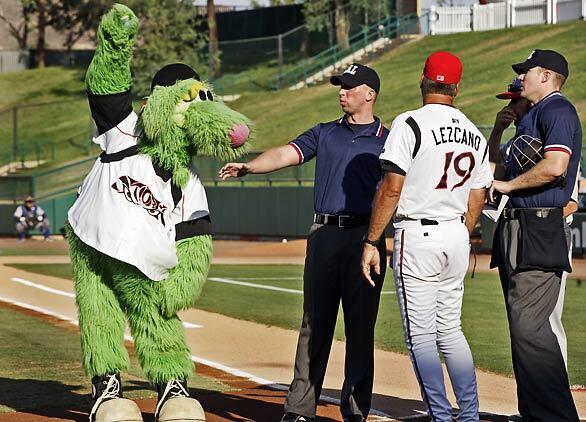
[29, 216]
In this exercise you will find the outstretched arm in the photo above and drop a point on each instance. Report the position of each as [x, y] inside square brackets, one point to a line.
[271, 160]
[109, 71]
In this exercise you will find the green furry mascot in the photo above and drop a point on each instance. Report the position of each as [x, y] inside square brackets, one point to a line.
[140, 231]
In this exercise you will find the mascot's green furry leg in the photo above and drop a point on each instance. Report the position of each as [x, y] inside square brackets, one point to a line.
[152, 306]
[101, 320]
[159, 341]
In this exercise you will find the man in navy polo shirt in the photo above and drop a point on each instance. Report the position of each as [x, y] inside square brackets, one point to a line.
[346, 177]
[532, 238]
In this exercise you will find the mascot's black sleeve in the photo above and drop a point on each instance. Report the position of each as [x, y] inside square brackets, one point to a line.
[109, 110]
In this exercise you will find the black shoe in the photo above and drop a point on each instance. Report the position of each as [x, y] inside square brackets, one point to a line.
[174, 388]
[354, 418]
[294, 417]
[104, 388]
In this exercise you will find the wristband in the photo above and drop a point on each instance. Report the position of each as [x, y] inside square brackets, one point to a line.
[374, 243]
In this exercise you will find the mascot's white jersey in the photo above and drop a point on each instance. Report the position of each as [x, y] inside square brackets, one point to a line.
[130, 210]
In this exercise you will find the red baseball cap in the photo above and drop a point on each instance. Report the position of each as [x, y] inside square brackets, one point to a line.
[443, 67]
[513, 90]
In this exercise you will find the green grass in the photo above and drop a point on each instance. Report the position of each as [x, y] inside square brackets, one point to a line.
[487, 58]
[484, 318]
[282, 115]
[20, 251]
[40, 368]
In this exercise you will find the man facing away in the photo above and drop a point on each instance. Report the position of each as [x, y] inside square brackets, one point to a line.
[437, 171]
[346, 175]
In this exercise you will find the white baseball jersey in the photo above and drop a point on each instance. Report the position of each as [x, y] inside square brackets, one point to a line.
[130, 210]
[443, 155]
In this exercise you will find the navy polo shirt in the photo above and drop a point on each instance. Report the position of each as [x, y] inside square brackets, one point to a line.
[553, 121]
[347, 170]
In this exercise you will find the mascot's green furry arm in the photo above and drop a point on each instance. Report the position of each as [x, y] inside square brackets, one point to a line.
[140, 230]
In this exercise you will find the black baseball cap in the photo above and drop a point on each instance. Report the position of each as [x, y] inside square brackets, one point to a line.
[171, 73]
[548, 59]
[357, 74]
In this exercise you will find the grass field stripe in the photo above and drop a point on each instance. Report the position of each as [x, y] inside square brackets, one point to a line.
[267, 287]
[42, 287]
[40, 310]
[71, 295]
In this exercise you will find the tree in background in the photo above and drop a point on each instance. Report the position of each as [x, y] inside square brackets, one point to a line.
[213, 51]
[76, 18]
[170, 31]
[20, 29]
[336, 16]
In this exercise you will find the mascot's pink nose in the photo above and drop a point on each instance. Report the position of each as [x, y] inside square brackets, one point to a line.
[238, 135]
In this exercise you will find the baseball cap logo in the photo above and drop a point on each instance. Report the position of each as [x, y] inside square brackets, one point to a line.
[531, 55]
[440, 78]
[351, 69]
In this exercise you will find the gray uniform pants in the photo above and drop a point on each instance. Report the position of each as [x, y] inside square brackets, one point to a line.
[543, 391]
[332, 274]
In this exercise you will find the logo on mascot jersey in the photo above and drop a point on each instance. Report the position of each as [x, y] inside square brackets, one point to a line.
[138, 193]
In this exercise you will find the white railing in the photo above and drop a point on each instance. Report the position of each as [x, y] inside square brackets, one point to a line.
[11, 61]
[506, 14]
[566, 10]
[530, 12]
[489, 16]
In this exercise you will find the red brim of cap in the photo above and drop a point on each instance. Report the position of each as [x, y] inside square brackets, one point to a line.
[508, 95]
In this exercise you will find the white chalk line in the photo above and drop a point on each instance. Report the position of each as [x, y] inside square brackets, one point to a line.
[72, 295]
[265, 286]
[232, 371]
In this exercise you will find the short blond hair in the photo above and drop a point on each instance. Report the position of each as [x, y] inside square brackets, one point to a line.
[558, 79]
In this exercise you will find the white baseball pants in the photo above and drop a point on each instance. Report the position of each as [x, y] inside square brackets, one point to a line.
[429, 263]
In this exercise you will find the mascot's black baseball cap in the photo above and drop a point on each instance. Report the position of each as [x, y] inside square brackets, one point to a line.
[548, 59]
[357, 74]
[171, 73]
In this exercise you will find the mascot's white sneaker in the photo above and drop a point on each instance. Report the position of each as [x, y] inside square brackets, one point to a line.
[108, 404]
[175, 404]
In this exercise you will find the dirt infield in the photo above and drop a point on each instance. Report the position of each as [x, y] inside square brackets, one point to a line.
[258, 365]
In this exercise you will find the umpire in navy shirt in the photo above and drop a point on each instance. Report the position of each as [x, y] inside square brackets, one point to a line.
[532, 238]
[346, 177]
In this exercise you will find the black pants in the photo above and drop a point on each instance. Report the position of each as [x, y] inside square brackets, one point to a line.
[543, 390]
[332, 273]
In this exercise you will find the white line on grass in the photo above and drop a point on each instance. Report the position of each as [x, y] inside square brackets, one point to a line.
[267, 287]
[40, 310]
[42, 287]
[256, 286]
[268, 278]
[71, 295]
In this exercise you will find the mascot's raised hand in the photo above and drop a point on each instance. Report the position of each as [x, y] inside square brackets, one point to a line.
[140, 230]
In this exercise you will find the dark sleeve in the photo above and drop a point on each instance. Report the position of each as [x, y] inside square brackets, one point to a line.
[109, 110]
[390, 167]
[558, 125]
[306, 144]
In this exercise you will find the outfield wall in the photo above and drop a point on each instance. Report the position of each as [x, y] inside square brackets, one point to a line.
[236, 211]
[255, 212]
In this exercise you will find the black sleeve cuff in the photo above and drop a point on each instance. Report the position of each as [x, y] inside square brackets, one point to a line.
[390, 167]
[109, 110]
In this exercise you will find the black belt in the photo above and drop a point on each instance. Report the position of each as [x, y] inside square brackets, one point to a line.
[427, 221]
[341, 220]
[515, 213]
